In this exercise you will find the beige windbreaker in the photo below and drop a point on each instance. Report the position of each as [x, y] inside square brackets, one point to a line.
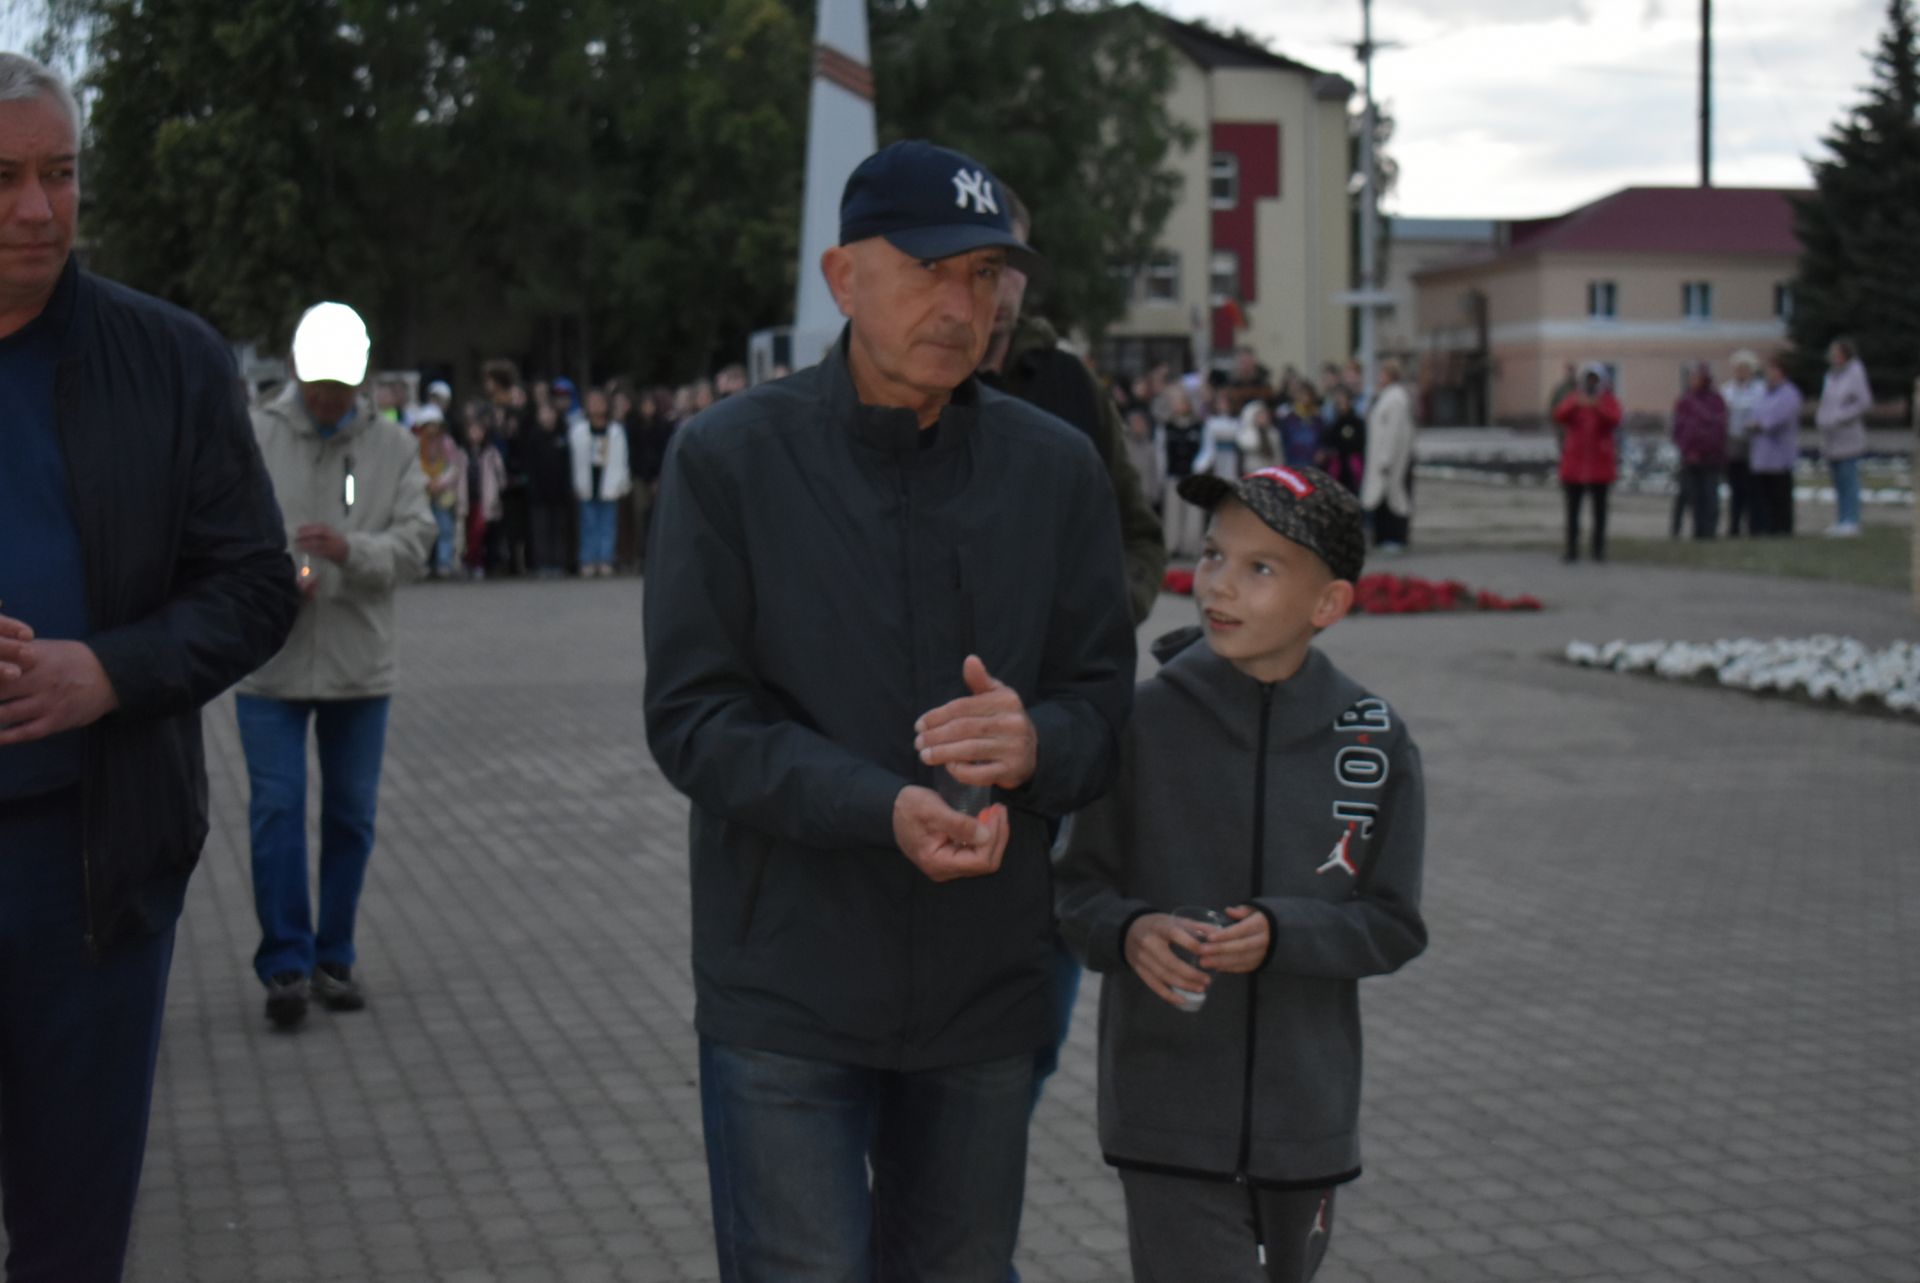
[342, 644]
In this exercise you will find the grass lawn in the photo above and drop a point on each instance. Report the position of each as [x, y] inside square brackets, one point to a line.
[1880, 558]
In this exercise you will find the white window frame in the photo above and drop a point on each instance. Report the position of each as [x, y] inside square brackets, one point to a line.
[1223, 167]
[1222, 262]
[1162, 272]
[1696, 300]
[1783, 300]
[1603, 292]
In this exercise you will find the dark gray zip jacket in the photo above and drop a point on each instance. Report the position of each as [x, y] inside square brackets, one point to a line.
[1304, 799]
[816, 579]
[189, 586]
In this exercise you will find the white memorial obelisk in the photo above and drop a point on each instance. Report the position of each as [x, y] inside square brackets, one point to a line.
[840, 134]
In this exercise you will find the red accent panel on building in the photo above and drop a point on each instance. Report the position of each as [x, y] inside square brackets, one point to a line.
[1257, 146]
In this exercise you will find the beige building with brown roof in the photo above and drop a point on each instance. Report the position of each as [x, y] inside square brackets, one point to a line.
[1259, 243]
[1646, 281]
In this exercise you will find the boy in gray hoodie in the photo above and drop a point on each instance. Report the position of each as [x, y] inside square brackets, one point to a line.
[1257, 779]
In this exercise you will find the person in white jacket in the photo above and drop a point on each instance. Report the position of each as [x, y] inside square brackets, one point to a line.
[1743, 394]
[354, 497]
[601, 479]
[1845, 397]
[1386, 490]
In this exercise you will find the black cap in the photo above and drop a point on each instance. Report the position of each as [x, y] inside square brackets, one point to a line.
[1303, 504]
[930, 202]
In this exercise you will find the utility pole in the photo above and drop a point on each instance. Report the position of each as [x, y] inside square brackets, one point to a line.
[1706, 93]
[1369, 209]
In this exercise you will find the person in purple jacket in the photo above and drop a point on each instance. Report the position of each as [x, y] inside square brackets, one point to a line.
[1776, 446]
[1700, 432]
[1845, 398]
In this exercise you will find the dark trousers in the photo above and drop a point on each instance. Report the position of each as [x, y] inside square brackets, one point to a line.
[1739, 498]
[1773, 503]
[826, 1173]
[552, 534]
[509, 555]
[1390, 527]
[1598, 494]
[1699, 491]
[78, 1040]
[1180, 1230]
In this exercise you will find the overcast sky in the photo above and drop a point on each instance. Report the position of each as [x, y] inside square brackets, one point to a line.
[1514, 108]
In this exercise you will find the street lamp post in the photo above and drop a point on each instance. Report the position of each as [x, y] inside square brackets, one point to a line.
[1369, 210]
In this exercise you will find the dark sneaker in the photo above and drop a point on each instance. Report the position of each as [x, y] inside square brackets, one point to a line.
[287, 999]
[333, 985]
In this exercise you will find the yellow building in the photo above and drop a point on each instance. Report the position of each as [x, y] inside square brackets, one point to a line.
[1260, 242]
[1646, 281]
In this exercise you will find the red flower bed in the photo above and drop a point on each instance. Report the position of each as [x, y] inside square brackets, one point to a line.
[1399, 595]
[1408, 595]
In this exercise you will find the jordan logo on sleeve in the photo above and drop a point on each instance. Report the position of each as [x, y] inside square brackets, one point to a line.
[1341, 857]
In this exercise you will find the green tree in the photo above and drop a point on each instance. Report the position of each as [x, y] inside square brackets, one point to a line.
[1859, 229]
[1066, 101]
[220, 168]
[597, 186]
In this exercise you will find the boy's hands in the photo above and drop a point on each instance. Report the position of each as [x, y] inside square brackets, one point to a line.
[1149, 948]
[1240, 948]
[1234, 950]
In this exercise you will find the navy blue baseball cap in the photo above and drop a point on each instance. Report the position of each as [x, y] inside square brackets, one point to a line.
[930, 202]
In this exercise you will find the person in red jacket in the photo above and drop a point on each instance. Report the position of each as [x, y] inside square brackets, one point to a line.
[1587, 417]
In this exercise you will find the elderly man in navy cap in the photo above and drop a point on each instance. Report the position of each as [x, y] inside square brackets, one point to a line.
[888, 646]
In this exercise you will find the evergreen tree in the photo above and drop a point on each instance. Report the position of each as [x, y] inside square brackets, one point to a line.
[1859, 229]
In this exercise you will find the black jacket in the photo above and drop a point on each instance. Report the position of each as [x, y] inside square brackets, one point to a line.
[549, 463]
[816, 579]
[189, 586]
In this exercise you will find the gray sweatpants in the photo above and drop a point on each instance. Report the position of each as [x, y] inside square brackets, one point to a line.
[1180, 1229]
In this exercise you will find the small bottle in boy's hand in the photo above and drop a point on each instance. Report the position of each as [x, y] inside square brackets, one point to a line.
[1192, 1000]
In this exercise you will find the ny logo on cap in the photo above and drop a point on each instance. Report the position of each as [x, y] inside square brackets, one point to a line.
[974, 185]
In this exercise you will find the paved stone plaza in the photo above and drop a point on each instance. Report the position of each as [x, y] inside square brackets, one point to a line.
[1668, 1027]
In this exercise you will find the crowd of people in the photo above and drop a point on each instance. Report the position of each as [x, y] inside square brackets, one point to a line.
[1742, 435]
[1238, 421]
[538, 477]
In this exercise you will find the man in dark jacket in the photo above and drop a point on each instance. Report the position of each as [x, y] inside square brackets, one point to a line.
[868, 577]
[144, 571]
[1024, 358]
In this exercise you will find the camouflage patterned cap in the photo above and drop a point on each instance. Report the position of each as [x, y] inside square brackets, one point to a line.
[1303, 504]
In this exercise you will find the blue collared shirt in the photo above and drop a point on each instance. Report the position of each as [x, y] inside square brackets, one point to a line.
[42, 567]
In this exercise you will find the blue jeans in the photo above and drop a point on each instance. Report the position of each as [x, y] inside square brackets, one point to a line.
[443, 542]
[78, 1040]
[788, 1146]
[1064, 974]
[273, 733]
[1846, 489]
[599, 519]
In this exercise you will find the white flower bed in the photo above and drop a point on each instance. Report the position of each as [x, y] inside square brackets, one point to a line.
[1819, 668]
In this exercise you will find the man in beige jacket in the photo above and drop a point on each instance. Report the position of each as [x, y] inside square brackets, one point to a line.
[1387, 483]
[355, 502]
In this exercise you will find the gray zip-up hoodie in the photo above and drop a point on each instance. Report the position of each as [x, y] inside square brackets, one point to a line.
[1304, 799]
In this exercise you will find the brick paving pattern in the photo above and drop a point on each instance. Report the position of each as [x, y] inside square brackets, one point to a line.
[1667, 1029]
